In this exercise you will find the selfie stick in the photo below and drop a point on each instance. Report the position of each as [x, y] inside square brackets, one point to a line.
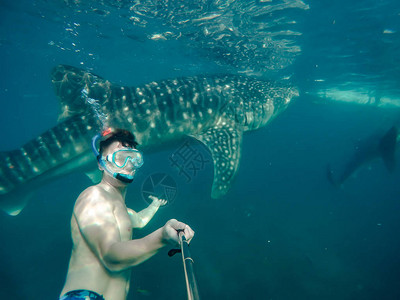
[191, 285]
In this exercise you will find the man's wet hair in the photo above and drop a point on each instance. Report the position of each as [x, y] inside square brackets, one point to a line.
[125, 137]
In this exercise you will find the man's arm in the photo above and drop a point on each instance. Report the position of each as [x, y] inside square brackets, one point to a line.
[98, 226]
[140, 219]
[127, 254]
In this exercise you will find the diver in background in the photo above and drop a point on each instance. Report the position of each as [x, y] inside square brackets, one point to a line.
[383, 146]
[101, 226]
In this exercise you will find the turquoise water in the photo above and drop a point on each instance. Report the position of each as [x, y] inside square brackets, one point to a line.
[282, 231]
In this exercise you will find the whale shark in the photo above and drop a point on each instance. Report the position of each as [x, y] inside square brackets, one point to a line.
[377, 146]
[214, 109]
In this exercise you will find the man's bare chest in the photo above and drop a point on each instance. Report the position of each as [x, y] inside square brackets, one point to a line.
[124, 222]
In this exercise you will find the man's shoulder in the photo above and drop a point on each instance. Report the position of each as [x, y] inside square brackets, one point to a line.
[94, 191]
[91, 197]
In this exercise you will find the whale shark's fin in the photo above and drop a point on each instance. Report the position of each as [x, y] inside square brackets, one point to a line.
[69, 83]
[225, 142]
[387, 148]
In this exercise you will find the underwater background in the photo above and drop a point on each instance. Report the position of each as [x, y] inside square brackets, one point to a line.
[283, 231]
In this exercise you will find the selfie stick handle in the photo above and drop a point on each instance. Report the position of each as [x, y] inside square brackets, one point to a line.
[191, 285]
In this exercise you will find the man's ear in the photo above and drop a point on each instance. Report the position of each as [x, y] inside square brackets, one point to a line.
[100, 166]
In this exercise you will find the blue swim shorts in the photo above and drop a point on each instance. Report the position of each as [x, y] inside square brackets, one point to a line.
[81, 295]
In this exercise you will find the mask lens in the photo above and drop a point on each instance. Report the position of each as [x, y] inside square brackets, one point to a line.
[122, 157]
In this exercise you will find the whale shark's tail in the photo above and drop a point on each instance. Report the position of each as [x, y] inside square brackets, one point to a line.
[56, 152]
[14, 202]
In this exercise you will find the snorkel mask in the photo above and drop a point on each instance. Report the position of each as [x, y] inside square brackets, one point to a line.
[119, 158]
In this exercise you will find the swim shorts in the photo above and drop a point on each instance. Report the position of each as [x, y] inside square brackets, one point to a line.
[81, 295]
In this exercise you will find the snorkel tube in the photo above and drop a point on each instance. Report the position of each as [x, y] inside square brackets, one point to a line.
[122, 177]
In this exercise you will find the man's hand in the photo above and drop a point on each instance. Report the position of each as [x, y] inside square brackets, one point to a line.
[158, 202]
[170, 232]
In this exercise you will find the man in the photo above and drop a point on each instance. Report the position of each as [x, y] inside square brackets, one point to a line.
[103, 250]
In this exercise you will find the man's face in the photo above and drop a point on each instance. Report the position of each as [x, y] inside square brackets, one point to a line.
[127, 168]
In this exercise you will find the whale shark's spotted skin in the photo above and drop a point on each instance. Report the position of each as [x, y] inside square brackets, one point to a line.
[215, 109]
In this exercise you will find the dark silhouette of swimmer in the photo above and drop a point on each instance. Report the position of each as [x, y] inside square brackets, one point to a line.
[383, 147]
